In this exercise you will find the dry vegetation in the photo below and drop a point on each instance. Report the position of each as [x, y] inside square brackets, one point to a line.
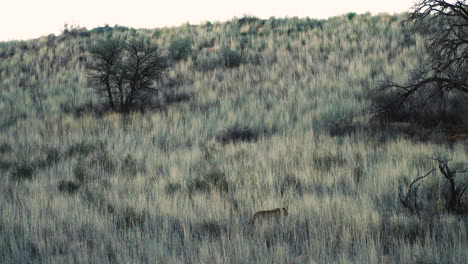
[257, 115]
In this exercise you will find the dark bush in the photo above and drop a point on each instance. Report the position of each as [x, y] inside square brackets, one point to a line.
[214, 178]
[94, 166]
[207, 229]
[129, 165]
[83, 148]
[351, 15]
[208, 60]
[206, 43]
[5, 148]
[84, 109]
[130, 218]
[172, 188]
[98, 200]
[198, 185]
[180, 48]
[232, 58]
[23, 172]
[52, 155]
[239, 133]
[104, 161]
[341, 128]
[358, 174]
[81, 173]
[289, 182]
[328, 161]
[248, 20]
[68, 187]
[6, 165]
[217, 178]
[172, 98]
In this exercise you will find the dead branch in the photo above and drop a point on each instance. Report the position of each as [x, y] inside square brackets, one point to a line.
[410, 199]
[456, 192]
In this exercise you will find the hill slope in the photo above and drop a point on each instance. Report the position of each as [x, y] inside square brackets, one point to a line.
[284, 128]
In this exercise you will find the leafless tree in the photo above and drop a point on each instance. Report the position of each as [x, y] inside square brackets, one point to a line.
[123, 72]
[105, 61]
[446, 71]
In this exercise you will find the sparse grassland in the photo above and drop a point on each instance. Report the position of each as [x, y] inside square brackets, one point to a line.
[259, 115]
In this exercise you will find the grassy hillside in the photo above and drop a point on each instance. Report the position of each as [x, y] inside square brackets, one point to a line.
[180, 184]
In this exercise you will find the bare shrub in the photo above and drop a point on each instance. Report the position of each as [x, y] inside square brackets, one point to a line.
[453, 195]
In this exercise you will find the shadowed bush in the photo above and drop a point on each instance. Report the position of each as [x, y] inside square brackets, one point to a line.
[289, 183]
[358, 175]
[96, 199]
[80, 172]
[172, 188]
[207, 230]
[208, 60]
[5, 148]
[172, 98]
[68, 187]
[214, 178]
[232, 58]
[52, 156]
[180, 48]
[23, 172]
[83, 148]
[328, 161]
[217, 178]
[241, 133]
[198, 185]
[130, 218]
[6, 165]
[129, 165]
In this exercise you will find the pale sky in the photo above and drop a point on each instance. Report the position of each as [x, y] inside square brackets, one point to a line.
[25, 19]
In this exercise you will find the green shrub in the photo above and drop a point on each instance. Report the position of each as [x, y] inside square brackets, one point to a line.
[232, 58]
[206, 43]
[180, 48]
[208, 60]
[351, 15]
